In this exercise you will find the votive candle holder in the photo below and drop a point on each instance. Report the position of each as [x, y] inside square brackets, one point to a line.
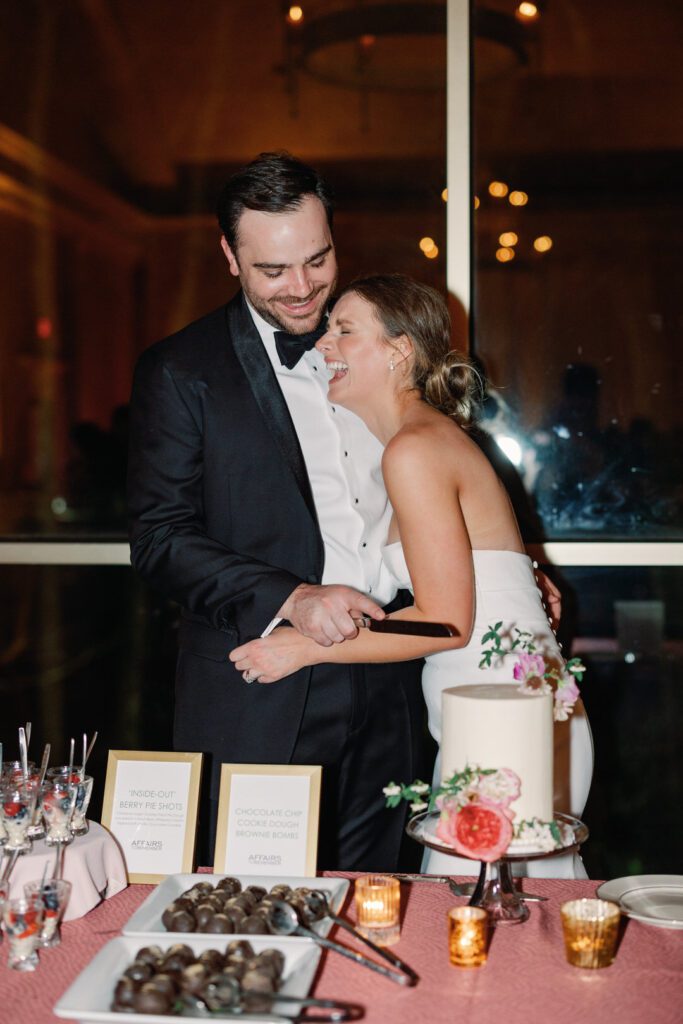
[378, 908]
[591, 929]
[468, 936]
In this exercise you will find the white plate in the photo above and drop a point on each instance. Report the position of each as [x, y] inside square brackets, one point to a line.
[147, 918]
[652, 899]
[89, 998]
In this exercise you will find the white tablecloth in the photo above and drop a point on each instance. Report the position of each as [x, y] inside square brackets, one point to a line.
[92, 863]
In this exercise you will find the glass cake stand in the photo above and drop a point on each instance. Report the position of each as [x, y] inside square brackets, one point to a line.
[495, 890]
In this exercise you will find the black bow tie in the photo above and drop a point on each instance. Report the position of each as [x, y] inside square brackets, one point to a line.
[291, 347]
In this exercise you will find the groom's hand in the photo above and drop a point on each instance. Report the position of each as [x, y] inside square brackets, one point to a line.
[551, 597]
[326, 613]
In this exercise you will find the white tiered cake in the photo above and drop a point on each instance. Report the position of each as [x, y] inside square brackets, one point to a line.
[492, 725]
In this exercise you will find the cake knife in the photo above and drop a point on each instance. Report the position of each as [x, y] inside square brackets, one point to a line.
[406, 627]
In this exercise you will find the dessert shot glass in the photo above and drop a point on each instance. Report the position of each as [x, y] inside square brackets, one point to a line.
[79, 823]
[59, 800]
[378, 907]
[23, 920]
[54, 895]
[590, 928]
[468, 936]
[14, 770]
[15, 813]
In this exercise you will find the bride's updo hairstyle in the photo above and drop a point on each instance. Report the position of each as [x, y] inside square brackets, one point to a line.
[445, 378]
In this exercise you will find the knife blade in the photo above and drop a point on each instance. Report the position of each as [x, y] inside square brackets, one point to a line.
[406, 627]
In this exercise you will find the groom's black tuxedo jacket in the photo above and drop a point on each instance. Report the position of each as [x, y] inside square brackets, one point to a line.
[223, 522]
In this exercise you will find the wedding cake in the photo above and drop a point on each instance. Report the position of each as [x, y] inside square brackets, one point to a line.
[493, 725]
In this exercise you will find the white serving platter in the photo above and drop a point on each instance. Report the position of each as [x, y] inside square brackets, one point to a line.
[147, 918]
[89, 998]
[656, 900]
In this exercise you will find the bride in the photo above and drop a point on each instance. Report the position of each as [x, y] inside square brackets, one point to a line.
[453, 539]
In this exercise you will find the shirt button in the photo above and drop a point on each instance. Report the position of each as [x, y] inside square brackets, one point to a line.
[364, 544]
[346, 455]
[369, 590]
[315, 368]
[333, 409]
[355, 500]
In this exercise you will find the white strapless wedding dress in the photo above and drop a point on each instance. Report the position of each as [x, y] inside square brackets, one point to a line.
[506, 589]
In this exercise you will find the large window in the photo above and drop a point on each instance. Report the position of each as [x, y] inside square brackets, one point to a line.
[577, 314]
[577, 321]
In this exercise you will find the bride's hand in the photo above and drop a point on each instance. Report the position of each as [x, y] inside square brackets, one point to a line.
[273, 657]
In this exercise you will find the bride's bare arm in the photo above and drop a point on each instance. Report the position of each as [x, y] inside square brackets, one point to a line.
[424, 495]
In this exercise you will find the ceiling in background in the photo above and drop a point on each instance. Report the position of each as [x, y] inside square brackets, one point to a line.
[158, 98]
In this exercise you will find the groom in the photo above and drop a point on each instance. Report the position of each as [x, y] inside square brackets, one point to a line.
[252, 499]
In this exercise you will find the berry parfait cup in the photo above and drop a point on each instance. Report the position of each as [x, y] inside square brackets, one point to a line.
[15, 811]
[54, 894]
[23, 919]
[79, 824]
[59, 800]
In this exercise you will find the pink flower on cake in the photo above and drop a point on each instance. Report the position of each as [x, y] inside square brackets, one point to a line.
[531, 670]
[501, 788]
[566, 695]
[481, 831]
[528, 667]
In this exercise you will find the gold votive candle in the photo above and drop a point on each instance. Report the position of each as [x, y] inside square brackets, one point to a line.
[467, 936]
[378, 907]
[590, 931]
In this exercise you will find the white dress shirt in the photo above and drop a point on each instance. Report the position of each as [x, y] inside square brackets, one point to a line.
[343, 462]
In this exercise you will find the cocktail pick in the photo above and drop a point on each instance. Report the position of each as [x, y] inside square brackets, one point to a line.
[27, 729]
[87, 752]
[59, 862]
[43, 764]
[11, 859]
[74, 795]
[23, 752]
[41, 779]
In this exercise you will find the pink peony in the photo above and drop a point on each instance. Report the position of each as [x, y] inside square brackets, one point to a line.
[481, 831]
[567, 692]
[529, 666]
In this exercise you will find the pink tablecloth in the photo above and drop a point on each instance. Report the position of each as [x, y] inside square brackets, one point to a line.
[93, 864]
[525, 981]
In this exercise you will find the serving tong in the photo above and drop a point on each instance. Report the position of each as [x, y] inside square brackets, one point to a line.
[284, 919]
[233, 1001]
[317, 905]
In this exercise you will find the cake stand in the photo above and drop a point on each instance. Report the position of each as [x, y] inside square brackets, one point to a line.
[495, 890]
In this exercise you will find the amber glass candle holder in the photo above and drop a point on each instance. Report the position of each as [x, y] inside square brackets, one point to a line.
[467, 936]
[591, 928]
[378, 907]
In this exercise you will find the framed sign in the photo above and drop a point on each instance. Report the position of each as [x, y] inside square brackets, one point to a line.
[150, 806]
[268, 819]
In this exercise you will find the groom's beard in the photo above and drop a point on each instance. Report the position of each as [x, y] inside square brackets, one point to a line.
[293, 324]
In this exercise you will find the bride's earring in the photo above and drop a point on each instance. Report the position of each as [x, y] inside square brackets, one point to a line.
[391, 365]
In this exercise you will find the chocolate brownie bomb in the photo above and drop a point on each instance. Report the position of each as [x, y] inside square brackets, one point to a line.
[245, 981]
[152, 999]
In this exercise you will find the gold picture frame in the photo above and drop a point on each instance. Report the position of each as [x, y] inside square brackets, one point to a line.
[186, 841]
[229, 771]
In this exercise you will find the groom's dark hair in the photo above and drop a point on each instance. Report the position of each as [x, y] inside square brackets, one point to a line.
[272, 183]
